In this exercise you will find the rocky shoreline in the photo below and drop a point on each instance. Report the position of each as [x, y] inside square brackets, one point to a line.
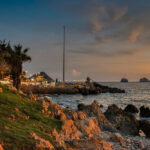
[93, 88]
[89, 129]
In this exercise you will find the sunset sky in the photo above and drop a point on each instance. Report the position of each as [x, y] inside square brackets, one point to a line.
[106, 39]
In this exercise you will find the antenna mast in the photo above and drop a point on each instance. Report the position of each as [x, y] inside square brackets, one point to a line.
[64, 47]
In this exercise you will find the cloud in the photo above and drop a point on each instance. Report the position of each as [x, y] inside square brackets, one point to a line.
[135, 33]
[101, 40]
[75, 73]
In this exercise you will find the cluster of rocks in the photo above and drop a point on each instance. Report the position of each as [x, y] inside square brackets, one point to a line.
[89, 129]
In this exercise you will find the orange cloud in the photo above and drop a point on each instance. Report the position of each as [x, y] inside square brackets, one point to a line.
[75, 73]
[135, 34]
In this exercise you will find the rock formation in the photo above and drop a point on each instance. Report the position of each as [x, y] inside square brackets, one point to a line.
[124, 80]
[123, 121]
[131, 109]
[144, 111]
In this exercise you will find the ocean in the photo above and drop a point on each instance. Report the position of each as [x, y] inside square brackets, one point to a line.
[136, 93]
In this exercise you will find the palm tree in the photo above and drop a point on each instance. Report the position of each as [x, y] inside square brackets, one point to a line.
[17, 56]
[4, 46]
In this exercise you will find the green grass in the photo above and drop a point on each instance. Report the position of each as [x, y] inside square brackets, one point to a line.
[15, 134]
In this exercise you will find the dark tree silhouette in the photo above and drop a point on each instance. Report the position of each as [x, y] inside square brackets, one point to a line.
[17, 56]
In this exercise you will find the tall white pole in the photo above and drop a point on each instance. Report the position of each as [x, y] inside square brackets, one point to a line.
[64, 46]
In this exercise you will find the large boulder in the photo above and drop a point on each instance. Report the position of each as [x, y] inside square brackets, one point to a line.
[145, 127]
[69, 131]
[123, 121]
[89, 127]
[144, 111]
[131, 109]
[94, 110]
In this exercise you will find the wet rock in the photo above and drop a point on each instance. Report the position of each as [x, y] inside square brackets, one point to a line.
[81, 106]
[145, 127]
[116, 137]
[101, 106]
[42, 143]
[123, 121]
[131, 109]
[144, 111]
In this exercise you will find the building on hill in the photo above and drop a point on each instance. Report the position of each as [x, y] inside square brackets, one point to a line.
[42, 79]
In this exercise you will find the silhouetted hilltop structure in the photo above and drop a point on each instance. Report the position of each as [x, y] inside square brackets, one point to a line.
[42, 75]
[144, 80]
[124, 80]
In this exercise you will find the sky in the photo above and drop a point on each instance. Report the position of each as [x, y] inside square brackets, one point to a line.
[105, 39]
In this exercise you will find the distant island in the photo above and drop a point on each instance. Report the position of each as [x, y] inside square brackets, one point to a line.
[124, 80]
[144, 80]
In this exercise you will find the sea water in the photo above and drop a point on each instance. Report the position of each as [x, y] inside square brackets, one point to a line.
[136, 93]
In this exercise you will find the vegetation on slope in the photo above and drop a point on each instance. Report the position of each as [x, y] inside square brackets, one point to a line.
[19, 117]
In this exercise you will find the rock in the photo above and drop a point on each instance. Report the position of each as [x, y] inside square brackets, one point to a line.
[101, 106]
[145, 127]
[70, 131]
[146, 148]
[89, 127]
[42, 143]
[116, 137]
[84, 91]
[81, 106]
[71, 114]
[1, 90]
[144, 111]
[81, 115]
[144, 80]
[1, 148]
[131, 109]
[141, 133]
[62, 117]
[124, 80]
[48, 100]
[45, 106]
[94, 110]
[123, 121]
[59, 139]
[92, 144]
[32, 96]
[74, 115]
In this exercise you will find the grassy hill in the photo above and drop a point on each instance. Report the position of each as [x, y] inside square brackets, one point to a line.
[19, 117]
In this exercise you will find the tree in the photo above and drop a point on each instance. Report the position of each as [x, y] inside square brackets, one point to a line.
[4, 67]
[17, 56]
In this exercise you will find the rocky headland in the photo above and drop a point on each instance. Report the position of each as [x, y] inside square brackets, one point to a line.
[92, 88]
